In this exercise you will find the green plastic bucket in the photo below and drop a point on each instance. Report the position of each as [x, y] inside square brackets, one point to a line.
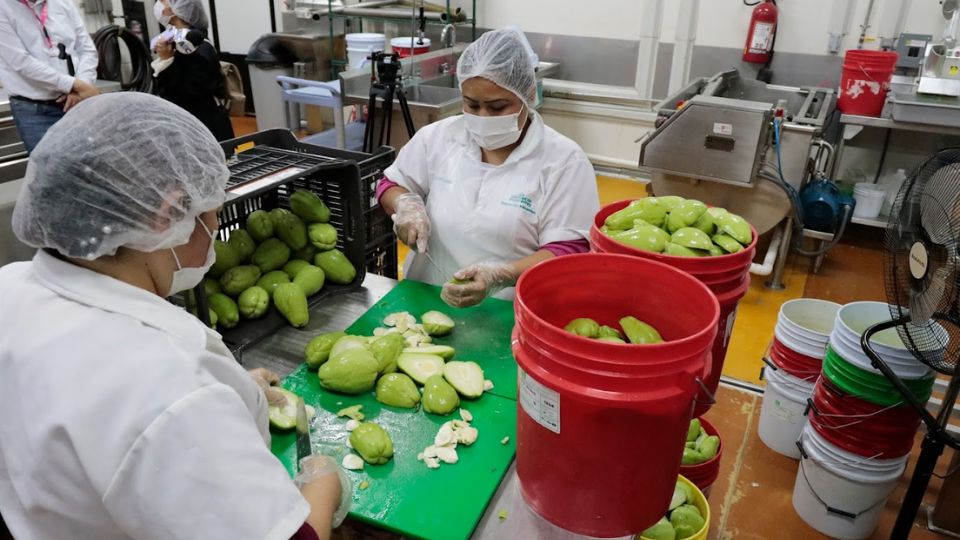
[870, 386]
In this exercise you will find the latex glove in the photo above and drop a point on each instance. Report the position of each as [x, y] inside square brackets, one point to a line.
[410, 221]
[266, 380]
[482, 279]
[316, 467]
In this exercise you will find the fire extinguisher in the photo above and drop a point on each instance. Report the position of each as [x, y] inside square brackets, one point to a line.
[760, 37]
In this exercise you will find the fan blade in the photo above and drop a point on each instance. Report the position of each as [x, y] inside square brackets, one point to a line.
[923, 305]
[938, 204]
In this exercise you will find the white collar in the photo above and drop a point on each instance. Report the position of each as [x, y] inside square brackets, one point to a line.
[103, 292]
[531, 141]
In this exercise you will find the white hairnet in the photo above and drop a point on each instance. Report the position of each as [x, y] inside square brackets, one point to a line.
[505, 58]
[119, 170]
[190, 12]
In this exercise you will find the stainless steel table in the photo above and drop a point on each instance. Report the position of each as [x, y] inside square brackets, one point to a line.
[283, 352]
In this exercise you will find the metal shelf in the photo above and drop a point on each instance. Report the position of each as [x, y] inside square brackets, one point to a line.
[388, 19]
[879, 222]
[889, 123]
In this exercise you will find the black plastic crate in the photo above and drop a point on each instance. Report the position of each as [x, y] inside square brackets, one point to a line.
[289, 165]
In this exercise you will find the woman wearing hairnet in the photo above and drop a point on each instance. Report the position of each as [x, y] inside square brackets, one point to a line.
[485, 195]
[121, 415]
[187, 67]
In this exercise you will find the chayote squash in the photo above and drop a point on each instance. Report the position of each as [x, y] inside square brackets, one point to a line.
[241, 241]
[292, 304]
[644, 236]
[348, 342]
[296, 265]
[270, 280]
[228, 315]
[353, 371]
[310, 279]
[736, 227]
[211, 286]
[323, 236]
[239, 278]
[226, 258]
[639, 332]
[372, 442]
[386, 349]
[306, 253]
[259, 225]
[677, 250]
[691, 238]
[317, 350]
[254, 302]
[689, 211]
[309, 207]
[727, 243]
[276, 215]
[661, 530]
[706, 224]
[609, 332]
[686, 520]
[291, 230]
[439, 397]
[583, 327]
[272, 254]
[336, 266]
[670, 201]
[397, 390]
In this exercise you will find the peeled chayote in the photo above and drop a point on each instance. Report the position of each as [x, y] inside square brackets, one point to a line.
[661, 530]
[639, 332]
[689, 237]
[735, 227]
[686, 521]
[318, 350]
[386, 349]
[608, 332]
[372, 442]
[439, 397]
[397, 390]
[353, 371]
[585, 327]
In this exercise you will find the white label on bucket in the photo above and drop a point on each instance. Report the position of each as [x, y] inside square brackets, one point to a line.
[719, 128]
[729, 329]
[540, 403]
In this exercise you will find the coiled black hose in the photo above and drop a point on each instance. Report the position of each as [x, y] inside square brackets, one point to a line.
[107, 41]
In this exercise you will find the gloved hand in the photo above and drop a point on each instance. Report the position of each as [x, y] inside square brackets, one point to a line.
[410, 221]
[266, 380]
[316, 467]
[482, 280]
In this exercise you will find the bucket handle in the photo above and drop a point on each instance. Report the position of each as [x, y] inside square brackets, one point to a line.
[803, 453]
[711, 399]
[831, 509]
[811, 406]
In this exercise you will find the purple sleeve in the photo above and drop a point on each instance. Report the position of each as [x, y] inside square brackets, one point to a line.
[305, 532]
[382, 187]
[568, 247]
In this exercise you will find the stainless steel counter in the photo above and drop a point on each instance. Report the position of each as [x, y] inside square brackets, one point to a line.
[283, 352]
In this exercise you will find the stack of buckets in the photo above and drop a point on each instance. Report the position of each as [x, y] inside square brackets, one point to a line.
[703, 475]
[865, 81]
[613, 421]
[796, 357]
[859, 433]
[727, 276]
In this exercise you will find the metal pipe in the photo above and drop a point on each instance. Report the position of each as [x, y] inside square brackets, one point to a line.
[683, 49]
[766, 268]
[397, 13]
[776, 281]
[865, 25]
[650, 23]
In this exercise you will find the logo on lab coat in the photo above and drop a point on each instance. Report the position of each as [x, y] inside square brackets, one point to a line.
[521, 201]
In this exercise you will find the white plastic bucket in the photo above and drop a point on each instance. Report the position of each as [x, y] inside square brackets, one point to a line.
[360, 45]
[402, 46]
[853, 319]
[782, 412]
[869, 200]
[839, 497]
[798, 343]
[809, 317]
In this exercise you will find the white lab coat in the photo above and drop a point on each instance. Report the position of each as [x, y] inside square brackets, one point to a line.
[122, 416]
[545, 192]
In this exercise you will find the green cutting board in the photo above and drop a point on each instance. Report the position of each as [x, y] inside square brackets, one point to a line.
[403, 495]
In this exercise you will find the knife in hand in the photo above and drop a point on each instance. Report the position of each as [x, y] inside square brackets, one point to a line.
[304, 448]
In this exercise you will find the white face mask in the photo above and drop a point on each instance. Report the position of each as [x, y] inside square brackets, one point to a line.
[493, 132]
[188, 278]
[162, 18]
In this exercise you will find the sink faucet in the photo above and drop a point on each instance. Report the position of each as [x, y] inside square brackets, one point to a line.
[448, 36]
[444, 68]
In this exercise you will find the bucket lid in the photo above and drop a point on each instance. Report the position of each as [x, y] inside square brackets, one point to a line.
[404, 41]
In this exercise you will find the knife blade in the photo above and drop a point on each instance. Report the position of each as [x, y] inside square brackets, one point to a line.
[435, 265]
[304, 448]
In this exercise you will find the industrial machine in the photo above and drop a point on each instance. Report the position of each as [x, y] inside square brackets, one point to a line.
[940, 74]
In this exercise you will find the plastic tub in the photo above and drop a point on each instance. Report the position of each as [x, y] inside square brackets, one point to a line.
[361, 45]
[782, 412]
[839, 497]
[864, 81]
[728, 276]
[407, 46]
[797, 344]
[904, 364]
[854, 319]
[700, 501]
[809, 317]
[860, 427]
[580, 397]
[869, 199]
[705, 474]
[870, 386]
[799, 365]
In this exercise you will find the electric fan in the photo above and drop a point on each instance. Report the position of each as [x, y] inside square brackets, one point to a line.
[922, 285]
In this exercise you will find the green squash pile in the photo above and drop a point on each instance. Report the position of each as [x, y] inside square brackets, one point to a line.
[280, 257]
[683, 518]
[680, 227]
[637, 332]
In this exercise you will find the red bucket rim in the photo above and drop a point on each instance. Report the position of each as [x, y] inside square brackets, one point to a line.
[725, 262]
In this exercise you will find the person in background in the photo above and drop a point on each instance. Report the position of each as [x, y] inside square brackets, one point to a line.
[485, 195]
[187, 67]
[40, 40]
[122, 415]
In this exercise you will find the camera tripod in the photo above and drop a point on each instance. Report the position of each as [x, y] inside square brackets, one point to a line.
[385, 83]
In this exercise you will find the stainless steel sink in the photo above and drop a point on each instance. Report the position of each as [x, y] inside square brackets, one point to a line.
[443, 99]
[444, 81]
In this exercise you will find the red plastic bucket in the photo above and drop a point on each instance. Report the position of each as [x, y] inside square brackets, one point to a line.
[799, 365]
[402, 46]
[861, 427]
[706, 473]
[580, 398]
[865, 81]
[728, 276]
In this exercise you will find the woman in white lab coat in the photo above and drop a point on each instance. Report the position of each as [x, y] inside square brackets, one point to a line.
[485, 195]
[121, 415]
